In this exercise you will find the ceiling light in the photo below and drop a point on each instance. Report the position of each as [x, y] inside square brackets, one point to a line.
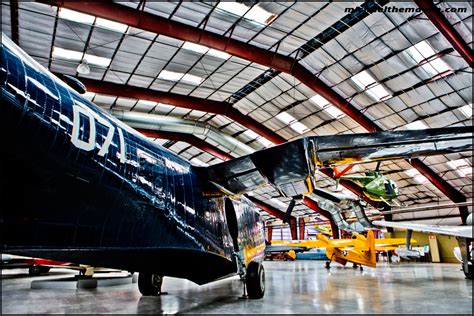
[67, 54]
[96, 60]
[170, 75]
[292, 122]
[416, 125]
[111, 25]
[75, 16]
[83, 68]
[466, 110]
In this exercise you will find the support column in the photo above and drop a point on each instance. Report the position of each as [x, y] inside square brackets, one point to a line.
[301, 225]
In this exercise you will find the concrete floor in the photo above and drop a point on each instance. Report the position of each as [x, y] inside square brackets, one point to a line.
[300, 287]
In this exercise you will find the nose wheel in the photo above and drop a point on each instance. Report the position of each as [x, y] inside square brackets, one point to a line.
[150, 284]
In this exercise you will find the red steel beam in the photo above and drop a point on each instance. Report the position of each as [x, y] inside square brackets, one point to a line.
[278, 214]
[442, 24]
[156, 24]
[183, 101]
[315, 207]
[187, 138]
[270, 232]
[301, 227]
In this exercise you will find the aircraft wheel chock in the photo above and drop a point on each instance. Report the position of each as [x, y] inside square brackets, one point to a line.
[255, 280]
[149, 284]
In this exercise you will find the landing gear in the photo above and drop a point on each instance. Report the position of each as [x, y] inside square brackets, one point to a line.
[149, 284]
[37, 270]
[328, 265]
[361, 268]
[255, 280]
[354, 266]
[468, 270]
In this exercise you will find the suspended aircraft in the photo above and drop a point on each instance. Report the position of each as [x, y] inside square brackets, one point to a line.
[376, 186]
[79, 185]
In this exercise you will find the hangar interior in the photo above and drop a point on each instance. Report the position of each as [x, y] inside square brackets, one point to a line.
[258, 81]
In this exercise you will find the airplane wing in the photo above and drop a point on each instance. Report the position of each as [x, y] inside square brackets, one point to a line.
[290, 167]
[459, 231]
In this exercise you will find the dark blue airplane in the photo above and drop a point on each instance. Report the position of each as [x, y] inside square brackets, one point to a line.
[77, 185]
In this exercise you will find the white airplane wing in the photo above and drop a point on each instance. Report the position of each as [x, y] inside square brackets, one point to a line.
[459, 231]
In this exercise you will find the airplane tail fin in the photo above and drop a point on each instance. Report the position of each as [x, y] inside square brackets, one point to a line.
[371, 254]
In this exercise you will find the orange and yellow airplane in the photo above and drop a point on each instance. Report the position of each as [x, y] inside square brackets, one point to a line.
[359, 250]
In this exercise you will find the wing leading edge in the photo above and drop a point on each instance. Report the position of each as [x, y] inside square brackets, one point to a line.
[291, 167]
[458, 231]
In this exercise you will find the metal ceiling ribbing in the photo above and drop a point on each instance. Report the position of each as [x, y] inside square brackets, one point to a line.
[382, 35]
[256, 54]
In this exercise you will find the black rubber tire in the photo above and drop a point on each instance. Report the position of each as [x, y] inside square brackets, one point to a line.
[44, 269]
[34, 270]
[470, 271]
[255, 280]
[149, 284]
[328, 265]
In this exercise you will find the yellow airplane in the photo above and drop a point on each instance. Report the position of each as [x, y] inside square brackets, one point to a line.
[359, 250]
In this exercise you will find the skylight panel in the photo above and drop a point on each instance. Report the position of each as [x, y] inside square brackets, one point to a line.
[285, 118]
[192, 79]
[67, 54]
[416, 125]
[299, 127]
[265, 142]
[195, 47]
[233, 7]
[363, 79]
[76, 16]
[260, 15]
[461, 166]
[466, 110]
[417, 176]
[333, 111]
[96, 60]
[319, 101]
[278, 202]
[89, 95]
[111, 25]
[147, 103]
[251, 134]
[218, 54]
[256, 14]
[170, 75]
[379, 93]
[198, 162]
[292, 122]
[425, 54]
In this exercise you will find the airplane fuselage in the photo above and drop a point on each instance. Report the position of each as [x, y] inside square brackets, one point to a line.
[77, 185]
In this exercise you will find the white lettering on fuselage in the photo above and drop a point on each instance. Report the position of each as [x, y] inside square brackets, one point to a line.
[80, 108]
